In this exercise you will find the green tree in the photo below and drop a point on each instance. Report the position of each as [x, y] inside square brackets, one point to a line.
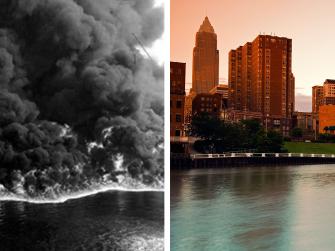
[217, 135]
[296, 132]
[270, 142]
[252, 128]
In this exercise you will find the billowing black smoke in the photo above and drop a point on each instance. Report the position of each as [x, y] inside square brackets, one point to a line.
[76, 96]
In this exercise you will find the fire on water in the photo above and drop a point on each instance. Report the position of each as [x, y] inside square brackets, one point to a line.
[94, 189]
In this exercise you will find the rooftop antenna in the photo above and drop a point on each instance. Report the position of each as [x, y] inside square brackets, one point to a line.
[142, 46]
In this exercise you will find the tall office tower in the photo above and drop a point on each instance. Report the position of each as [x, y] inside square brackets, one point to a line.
[261, 80]
[317, 94]
[205, 74]
[177, 98]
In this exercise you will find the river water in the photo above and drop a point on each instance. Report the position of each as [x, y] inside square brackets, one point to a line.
[254, 208]
[112, 220]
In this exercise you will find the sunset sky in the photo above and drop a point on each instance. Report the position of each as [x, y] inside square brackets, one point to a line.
[309, 23]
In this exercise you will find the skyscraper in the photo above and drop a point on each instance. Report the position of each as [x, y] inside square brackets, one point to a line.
[261, 80]
[205, 74]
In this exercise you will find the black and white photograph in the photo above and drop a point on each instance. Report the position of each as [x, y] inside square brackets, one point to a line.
[81, 125]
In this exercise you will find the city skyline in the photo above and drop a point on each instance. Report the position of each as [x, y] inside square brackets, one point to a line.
[308, 29]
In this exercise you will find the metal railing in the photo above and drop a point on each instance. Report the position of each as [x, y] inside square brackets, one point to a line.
[262, 155]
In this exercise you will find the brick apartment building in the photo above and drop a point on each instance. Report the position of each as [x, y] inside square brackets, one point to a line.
[261, 80]
[177, 98]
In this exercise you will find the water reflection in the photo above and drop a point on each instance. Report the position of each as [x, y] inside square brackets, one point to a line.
[256, 208]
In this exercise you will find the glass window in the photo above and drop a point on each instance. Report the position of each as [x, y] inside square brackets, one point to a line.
[178, 118]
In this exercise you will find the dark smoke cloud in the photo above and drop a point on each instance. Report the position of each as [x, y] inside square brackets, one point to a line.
[75, 94]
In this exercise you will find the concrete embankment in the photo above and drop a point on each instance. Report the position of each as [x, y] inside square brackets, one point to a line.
[181, 161]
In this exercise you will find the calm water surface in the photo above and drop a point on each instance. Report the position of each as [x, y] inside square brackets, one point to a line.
[107, 221]
[254, 208]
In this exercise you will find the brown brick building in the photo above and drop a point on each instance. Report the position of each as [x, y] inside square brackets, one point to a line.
[177, 98]
[222, 90]
[323, 96]
[317, 96]
[328, 97]
[205, 72]
[207, 103]
[261, 80]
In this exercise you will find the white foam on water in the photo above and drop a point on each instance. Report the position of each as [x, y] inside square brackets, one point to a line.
[143, 243]
[8, 196]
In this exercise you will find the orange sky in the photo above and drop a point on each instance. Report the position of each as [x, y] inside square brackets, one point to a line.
[309, 23]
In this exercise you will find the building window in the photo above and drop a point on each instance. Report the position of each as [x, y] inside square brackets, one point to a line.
[276, 122]
[171, 103]
[178, 118]
[177, 133]
[178, 104]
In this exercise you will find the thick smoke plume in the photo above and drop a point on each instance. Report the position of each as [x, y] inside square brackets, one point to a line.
[78, 102]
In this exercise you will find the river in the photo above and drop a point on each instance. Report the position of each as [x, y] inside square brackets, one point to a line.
[253, 208]
[111, 220]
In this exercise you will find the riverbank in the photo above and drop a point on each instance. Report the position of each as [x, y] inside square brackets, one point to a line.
[181, 161]
[309, 147]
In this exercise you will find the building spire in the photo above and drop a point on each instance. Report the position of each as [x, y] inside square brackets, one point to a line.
[206, 26]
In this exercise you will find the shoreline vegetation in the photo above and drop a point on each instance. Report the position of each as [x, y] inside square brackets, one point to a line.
[219, 136]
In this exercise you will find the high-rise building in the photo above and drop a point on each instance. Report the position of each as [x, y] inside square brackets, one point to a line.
[328, 92]
[261, 80]
[240, 72]
[205, 74]
[317, 94]
[177, 98]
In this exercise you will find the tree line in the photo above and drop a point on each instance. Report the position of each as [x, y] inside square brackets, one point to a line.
[217, 136]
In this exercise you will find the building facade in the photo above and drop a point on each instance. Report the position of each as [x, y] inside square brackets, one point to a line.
[205, 71]
[177, 98]
[222, 91]
[317, 96]
[261, 80]
[328, 92]
[326, 118]
[207, 103]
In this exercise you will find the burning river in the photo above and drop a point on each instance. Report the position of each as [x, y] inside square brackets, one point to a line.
[111, 220]
[81, 116]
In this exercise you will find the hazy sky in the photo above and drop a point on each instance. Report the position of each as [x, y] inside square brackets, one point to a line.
[309, 23]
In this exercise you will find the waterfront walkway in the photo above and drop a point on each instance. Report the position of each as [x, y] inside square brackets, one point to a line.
[182, 161]
[262, 155]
